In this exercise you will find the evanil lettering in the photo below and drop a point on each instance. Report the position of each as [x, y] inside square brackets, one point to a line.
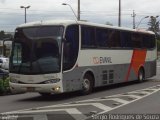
[102, 60]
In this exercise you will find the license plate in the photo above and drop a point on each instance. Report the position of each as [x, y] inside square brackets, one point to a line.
[30, 89]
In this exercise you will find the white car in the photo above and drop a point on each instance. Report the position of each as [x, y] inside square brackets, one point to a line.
[4, 63]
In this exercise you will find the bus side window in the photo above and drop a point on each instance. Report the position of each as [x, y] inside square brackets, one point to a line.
[149, 41]
[114, 38]
[88, 37]
[102, 37]
[137, 40]
[71, 47]
[125, 38]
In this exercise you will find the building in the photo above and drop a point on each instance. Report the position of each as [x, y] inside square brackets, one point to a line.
[5, 48]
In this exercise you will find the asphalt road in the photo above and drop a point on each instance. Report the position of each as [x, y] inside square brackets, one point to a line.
[149, 104]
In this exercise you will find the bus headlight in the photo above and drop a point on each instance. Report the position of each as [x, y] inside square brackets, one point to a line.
[57, 88]
[12, 80]
[52, 81]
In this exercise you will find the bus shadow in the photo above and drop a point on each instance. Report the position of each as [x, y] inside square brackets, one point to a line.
[71, 95]
[56, 97]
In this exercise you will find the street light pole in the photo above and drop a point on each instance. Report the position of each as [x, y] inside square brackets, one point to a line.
[141, 21]
[119, 17]
[25, 15]
[72, 10]
[78, 14]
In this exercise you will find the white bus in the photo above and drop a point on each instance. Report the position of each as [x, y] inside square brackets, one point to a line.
[53, 57]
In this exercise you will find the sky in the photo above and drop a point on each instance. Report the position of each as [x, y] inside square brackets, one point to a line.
[97, 11]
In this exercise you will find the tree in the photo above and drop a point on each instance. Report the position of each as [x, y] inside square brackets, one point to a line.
[3, 35]
[153, 25]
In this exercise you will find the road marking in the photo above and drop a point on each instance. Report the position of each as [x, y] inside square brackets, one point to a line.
[72, 107]
[101, 106]
[119, 100]
[37, 114]
[100, 100]
[88, 100]
[76, 114]
[126, 103]
[131, 96]
[140, 92]
[98, 105]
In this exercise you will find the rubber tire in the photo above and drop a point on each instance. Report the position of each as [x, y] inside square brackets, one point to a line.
[88, 79]
[141, 75]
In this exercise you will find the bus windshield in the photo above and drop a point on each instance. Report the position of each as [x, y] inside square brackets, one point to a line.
[37, 50]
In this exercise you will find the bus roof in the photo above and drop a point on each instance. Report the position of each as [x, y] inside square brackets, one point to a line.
[69, 22]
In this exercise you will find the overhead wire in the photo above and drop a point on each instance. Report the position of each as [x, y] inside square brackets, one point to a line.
[49, 13]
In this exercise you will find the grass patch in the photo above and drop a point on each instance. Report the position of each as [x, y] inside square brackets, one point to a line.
[4, 84]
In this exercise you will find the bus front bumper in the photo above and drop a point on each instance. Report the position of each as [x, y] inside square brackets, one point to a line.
[41, 88]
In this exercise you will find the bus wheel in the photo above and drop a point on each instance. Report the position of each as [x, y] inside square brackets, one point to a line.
[141, 75]
[87, 85]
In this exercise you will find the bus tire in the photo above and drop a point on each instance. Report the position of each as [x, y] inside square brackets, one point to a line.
[87, 84]
[141, 75]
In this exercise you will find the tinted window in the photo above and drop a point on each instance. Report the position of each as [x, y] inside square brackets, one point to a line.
[148, 41]
[41, 32]
[88, 36]
[37, 50]
[102, 37]
[137, 40]
[71, 47]
[125, 39]
[114, 38]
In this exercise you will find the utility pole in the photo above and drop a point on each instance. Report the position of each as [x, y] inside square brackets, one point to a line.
[133, 15]
[78, 14]
[119, 17]
[141, 21]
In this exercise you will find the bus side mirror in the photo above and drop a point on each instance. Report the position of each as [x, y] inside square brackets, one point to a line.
[8, 39]
[64, 40]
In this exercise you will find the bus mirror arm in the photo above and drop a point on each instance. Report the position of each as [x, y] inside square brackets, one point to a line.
[64, 40]
[8, 39]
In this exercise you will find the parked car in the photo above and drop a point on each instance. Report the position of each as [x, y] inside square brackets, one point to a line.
[4, 63]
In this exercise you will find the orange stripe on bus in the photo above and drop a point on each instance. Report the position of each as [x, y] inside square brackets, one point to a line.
[138, 60]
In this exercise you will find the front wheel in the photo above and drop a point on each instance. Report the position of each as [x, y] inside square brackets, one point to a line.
[87, 84]
[141, 75]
